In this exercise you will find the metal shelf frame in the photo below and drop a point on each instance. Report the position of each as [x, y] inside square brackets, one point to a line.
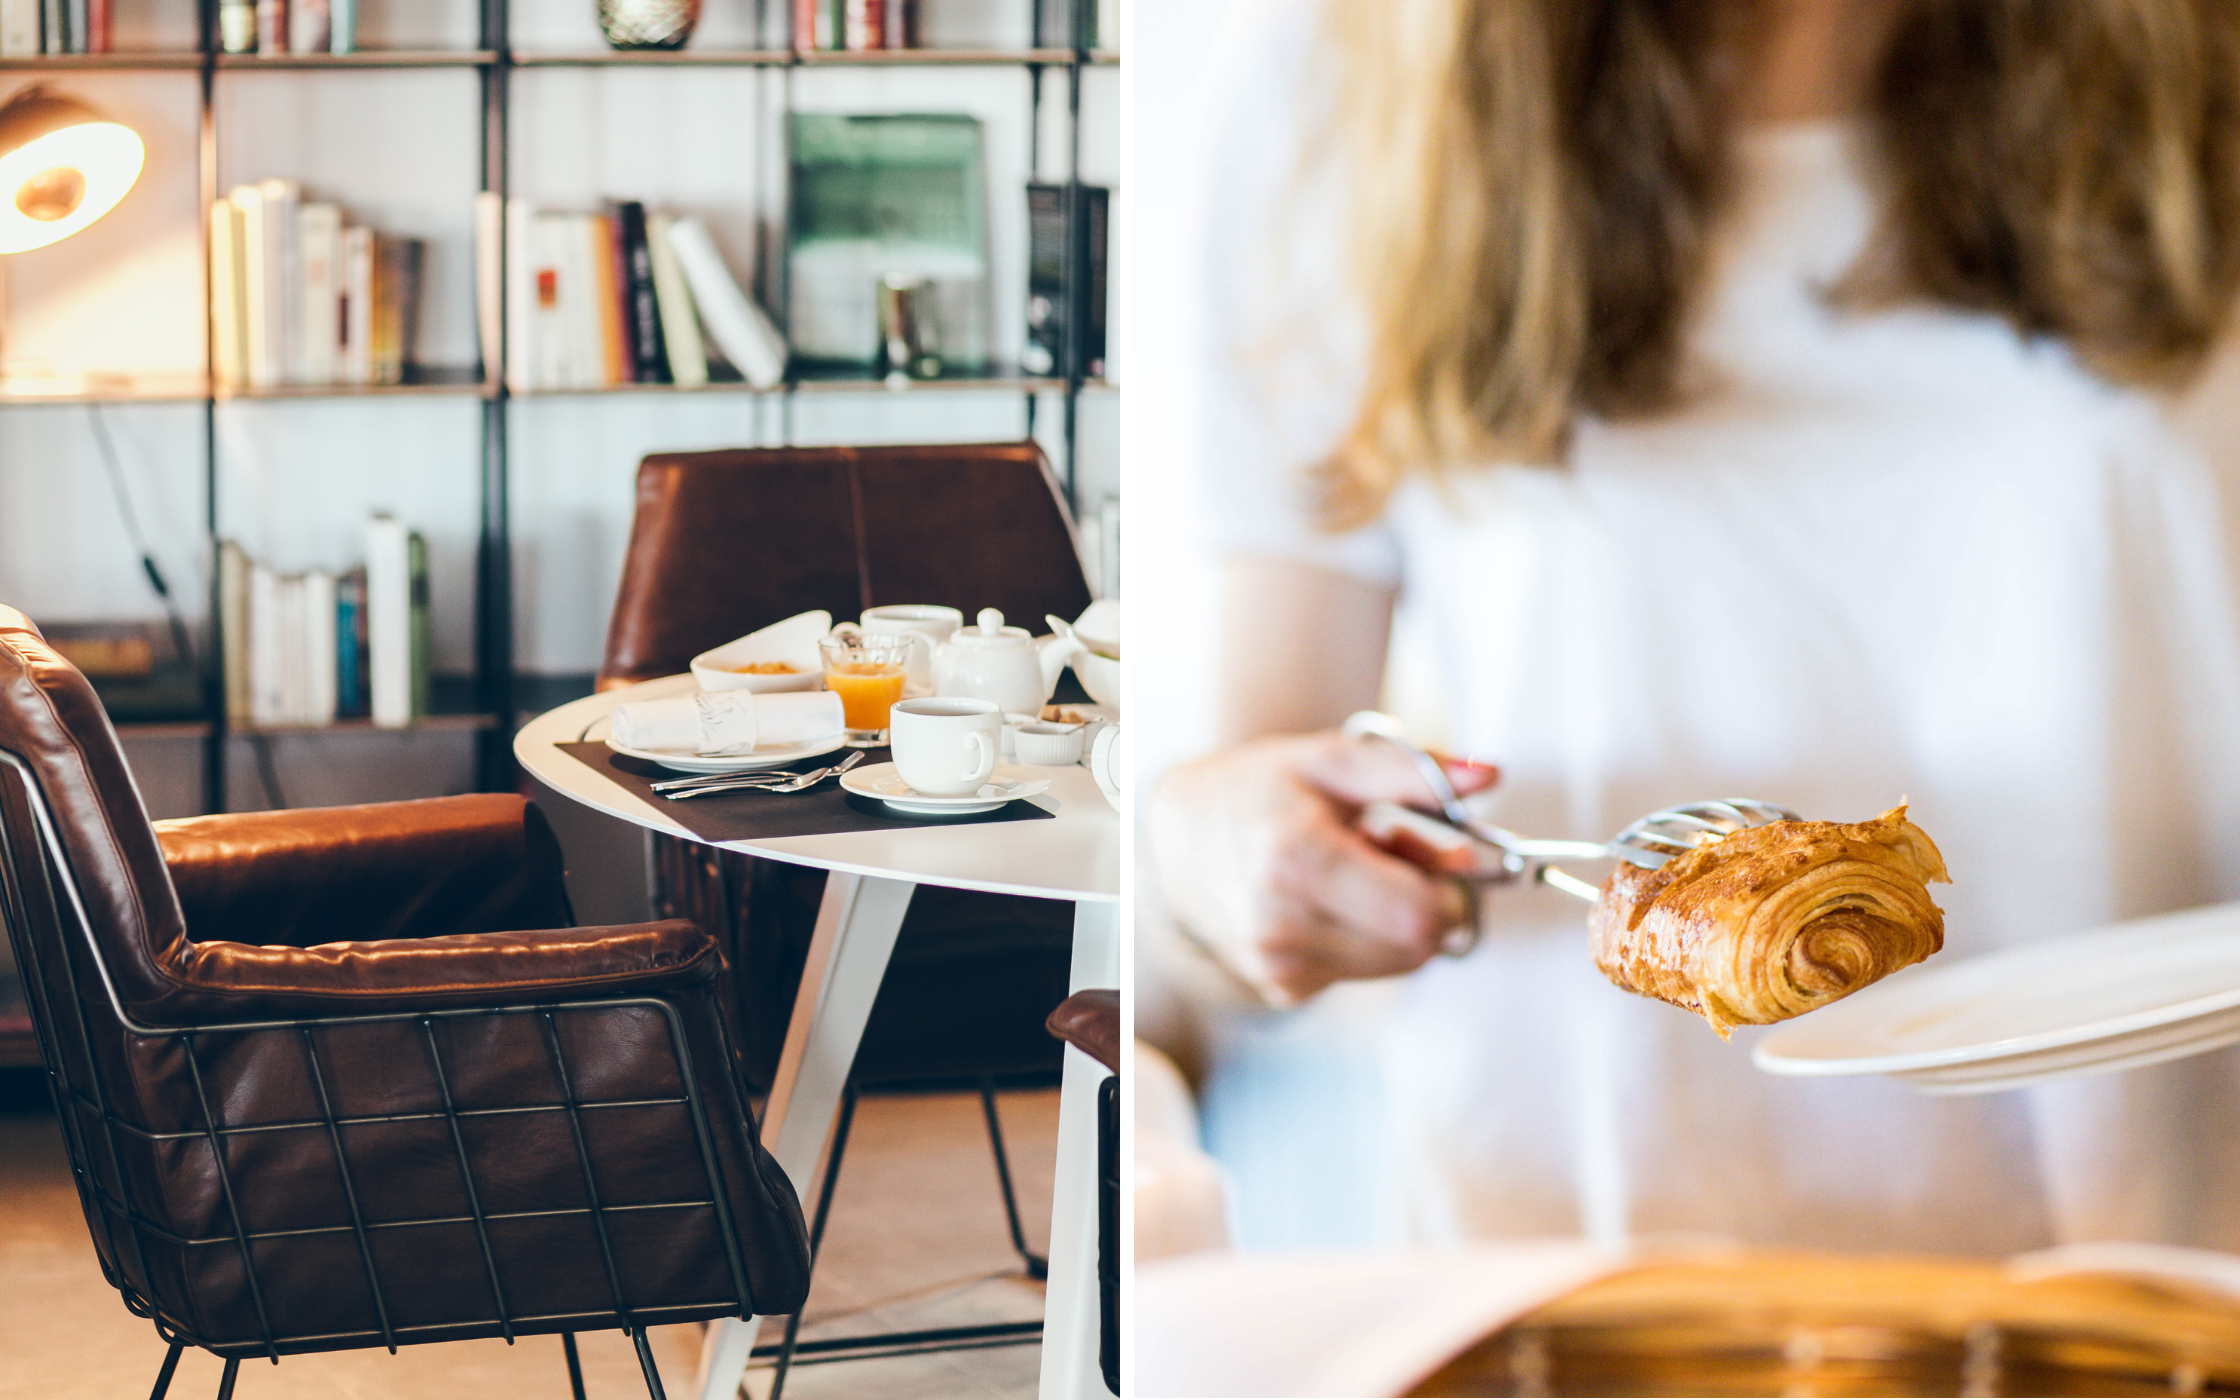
[494, 61]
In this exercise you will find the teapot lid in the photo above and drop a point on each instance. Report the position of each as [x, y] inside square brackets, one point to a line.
[991, 632]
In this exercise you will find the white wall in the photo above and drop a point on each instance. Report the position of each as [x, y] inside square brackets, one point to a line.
[399, 150]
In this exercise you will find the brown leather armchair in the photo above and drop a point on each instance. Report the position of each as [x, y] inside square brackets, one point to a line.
[345, 1078]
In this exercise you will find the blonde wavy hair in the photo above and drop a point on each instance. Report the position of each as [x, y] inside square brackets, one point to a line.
[1536, 183]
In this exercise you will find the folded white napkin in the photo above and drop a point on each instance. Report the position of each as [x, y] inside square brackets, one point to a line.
[723, 722]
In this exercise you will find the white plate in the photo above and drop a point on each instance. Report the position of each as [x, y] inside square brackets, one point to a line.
[769, 756]
[883, 781]
[2118, 997]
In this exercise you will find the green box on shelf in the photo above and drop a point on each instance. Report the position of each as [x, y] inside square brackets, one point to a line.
[874, 196]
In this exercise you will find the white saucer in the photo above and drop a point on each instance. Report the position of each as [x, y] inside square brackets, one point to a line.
[2127, 995]
[883, 781]
[766, 756]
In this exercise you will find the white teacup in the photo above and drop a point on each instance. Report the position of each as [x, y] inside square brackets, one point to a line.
[946, 747]
[931, 621]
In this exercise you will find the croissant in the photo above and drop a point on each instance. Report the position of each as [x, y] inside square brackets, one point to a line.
[1772, 921]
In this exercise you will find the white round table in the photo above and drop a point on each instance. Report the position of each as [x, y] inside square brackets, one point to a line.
[1074, 857]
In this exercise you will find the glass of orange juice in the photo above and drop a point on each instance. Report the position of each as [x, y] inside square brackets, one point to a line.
[866, 671]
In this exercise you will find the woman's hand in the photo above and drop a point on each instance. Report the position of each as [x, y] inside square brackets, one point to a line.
[1257, 855]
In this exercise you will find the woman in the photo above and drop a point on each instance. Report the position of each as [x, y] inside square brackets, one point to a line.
[1768, 399]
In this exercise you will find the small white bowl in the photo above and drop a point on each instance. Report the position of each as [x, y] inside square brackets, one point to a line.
[1045, 745]
[793, 641]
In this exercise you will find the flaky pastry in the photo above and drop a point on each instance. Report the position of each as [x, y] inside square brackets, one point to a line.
[1773, 921]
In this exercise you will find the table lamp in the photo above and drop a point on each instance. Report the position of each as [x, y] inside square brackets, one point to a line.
[62, 165]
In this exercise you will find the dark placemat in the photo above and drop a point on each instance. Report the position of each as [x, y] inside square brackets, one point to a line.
[823, 810]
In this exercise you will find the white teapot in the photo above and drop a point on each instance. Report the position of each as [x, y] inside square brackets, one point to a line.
[999, 663]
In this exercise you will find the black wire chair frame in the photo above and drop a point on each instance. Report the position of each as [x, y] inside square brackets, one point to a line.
[117, 1223]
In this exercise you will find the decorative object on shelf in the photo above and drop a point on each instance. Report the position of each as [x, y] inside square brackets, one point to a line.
[880, 195]
[648, 24]
[909, 339]
[62, 165]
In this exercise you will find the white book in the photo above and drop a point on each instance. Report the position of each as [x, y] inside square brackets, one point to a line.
[389, 620]
[19, 28]
[283, 274]
[566, 333]
[319, 655]
[228, 351]
[680, 325]
[355, 356]
[268, 701]
[741, 329]
[549, 327]
[489, 286]
[319, 257]
[262, 366]
[521, 297]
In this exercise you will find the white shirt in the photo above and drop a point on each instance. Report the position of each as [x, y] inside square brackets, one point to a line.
[1883, 556]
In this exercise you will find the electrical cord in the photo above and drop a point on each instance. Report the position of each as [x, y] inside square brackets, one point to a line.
[138, 540]
[268, 772]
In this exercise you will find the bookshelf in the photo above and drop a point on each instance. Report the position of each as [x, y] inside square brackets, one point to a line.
[472, 41]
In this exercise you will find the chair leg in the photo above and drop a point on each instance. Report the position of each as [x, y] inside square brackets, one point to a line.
[575, 1365]
[1037, 1266]
[225, 1382]
[170, 1364]
[816, 1230]
[645, 1364]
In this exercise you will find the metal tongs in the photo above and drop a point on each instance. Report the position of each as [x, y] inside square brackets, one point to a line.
[1480, 855]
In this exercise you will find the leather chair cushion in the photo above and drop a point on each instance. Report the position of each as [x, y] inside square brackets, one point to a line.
[423, 869]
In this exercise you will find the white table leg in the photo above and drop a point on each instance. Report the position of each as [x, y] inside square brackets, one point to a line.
[1070, 1307]
[856, 927]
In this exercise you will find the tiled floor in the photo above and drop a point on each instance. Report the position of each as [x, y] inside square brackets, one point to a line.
[917, 1240]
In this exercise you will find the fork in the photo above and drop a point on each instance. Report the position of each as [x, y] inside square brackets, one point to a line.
[1499, 857]
[768, 782]
[775, 775]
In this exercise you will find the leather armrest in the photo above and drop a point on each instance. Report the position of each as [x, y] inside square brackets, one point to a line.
[223, 980]
[1090, 1022]
[426, 869]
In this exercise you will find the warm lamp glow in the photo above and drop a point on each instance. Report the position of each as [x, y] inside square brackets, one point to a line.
[61, 167]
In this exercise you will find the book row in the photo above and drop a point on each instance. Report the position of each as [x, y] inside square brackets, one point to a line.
[300, 296]
[631, 295]
[625, 296]
[287, 26]
[859, 25]
[29, 28]
[310, 648]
